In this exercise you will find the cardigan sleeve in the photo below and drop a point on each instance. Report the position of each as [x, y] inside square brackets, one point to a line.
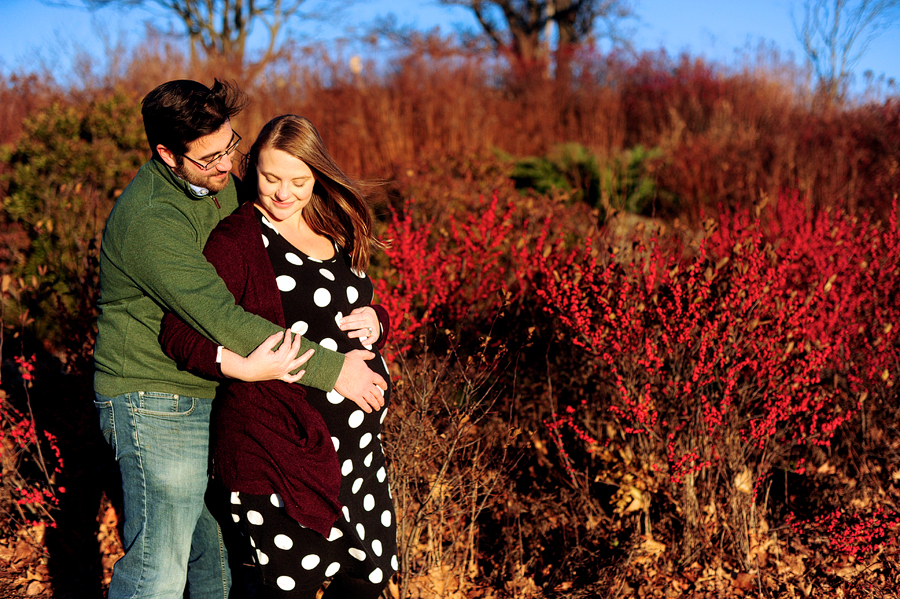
[196, 353]
[190, 350]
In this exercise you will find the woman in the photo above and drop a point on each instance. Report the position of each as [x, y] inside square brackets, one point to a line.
[306, 475]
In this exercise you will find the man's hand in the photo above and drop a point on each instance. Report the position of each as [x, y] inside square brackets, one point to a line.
[362, 324]
[263, 364]
[359, 384]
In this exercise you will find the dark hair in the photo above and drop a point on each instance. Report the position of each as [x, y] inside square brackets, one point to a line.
[338, 208]
[179, 112]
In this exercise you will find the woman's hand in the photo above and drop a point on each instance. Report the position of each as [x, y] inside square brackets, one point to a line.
[362, 324]
[264, 364]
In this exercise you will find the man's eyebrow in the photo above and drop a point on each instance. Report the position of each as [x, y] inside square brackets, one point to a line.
[210, 156]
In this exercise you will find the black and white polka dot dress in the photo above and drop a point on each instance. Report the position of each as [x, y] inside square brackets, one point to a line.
[363, 541]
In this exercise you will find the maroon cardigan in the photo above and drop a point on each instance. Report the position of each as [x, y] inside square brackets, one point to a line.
[265, 437]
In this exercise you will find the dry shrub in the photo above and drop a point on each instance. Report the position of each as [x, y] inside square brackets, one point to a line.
[447, 468]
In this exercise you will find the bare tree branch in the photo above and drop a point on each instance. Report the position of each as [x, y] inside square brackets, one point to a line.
[220, 28]
[525, 26]
[835, 35]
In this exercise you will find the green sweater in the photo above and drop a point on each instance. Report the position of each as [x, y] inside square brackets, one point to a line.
[151, 261]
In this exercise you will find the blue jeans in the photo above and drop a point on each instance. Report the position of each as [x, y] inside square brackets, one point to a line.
[161, 442]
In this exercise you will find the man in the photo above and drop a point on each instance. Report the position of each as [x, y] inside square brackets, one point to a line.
[153, 414]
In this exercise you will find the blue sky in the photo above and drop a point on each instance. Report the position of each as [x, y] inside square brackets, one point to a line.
[716, 29]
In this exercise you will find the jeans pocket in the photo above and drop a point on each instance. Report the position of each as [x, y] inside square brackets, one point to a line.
[107, 420]
[164, 405]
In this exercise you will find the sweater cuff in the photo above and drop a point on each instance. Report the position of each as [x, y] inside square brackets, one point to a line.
[323, 369]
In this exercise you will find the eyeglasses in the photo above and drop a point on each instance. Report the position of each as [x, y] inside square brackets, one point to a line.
[212, 163]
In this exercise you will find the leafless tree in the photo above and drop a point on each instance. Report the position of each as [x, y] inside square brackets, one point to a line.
[219, 29]
[836, 33]
[525, 26]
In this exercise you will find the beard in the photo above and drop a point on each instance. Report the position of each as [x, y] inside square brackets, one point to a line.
[214, 182]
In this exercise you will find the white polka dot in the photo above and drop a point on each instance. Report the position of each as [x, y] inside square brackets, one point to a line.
[235, 517]
[359, 273]
[352, 295]
[368, 460]
[285, 583]
[381, 474]
[309, 562]
[346, 467]
[235, 498]
[337, 318]
[299, 328]
[368, 503]
[262, 558]
[357, 553]
[293, 258]
[383, 416]
[316, 260]
[254, 517]
[285, 283]
[335, 440]
[394, 563]
[376, 547]
[322, 297]
[276, 500]
[365, 440]
[356, 418]
[369, 347]
[267, 223]
[386, 517]
[265, 241]
[283, 542]
[376, 576]
[357, 484]
[335, 534]
[326, 273]
[252, 543]
[329, 343]
[332, 569]
[346, 513]
[361, 531]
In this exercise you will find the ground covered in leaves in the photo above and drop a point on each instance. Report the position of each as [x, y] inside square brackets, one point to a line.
[788, 568]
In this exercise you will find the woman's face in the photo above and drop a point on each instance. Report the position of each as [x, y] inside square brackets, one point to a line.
[284, 184]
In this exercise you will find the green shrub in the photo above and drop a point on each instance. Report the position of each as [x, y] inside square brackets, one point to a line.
[626, 184]
[59, 183]
[568, 167]
[622, 183]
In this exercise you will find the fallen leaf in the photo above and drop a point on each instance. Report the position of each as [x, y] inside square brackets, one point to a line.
[24, 552]
[744, 581]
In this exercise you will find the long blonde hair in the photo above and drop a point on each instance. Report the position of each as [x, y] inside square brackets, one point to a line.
[337, 209]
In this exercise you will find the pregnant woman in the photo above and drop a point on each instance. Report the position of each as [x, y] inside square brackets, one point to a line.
[304, 469]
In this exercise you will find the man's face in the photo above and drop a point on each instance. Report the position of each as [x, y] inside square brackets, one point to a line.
[203, 150]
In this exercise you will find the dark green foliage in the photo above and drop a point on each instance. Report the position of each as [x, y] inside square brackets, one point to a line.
[627, 184]
[60, 181]
[568, 167]
[622, 183]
